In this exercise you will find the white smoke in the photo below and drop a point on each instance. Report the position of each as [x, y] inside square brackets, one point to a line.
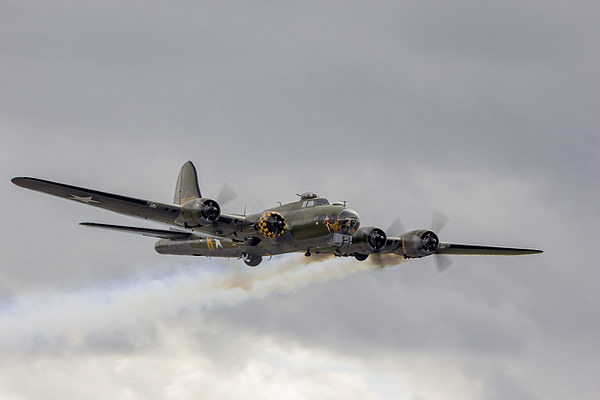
[67, 321]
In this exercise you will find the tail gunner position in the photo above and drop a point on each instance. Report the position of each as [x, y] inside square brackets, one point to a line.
[310, 225]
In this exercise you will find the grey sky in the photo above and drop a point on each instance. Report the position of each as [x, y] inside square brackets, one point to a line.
[485, 111]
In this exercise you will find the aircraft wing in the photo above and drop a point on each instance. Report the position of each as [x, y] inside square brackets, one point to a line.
[157, 233]
[176, 242]
[474, 249]
[155, 211]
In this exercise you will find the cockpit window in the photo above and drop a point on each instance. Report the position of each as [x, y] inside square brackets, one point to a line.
[348, 221]
[316, 202]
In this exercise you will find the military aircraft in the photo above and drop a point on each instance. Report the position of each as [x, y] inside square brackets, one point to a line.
[310, 225]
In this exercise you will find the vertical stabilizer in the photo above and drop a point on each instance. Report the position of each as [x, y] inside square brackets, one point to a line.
[187, 184]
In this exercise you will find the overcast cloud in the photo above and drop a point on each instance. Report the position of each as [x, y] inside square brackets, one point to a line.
[486, 111]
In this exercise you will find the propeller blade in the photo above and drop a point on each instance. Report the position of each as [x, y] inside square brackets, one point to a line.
[226, 194]
[442, 263]
[438, 221]
[396, 228]
[258, 206]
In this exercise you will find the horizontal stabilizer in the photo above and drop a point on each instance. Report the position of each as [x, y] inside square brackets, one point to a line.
[474, 249]
[157, 233]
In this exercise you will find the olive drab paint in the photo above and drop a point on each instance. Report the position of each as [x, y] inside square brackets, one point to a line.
[309, 225]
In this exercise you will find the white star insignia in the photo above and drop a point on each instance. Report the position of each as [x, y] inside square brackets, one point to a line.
[86, 200]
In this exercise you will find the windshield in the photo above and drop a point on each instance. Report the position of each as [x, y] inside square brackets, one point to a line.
[315, 202]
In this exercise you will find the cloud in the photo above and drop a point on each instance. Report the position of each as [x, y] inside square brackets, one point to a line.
[171, 371]
[484, 112]
[143, 331]
[195, 332]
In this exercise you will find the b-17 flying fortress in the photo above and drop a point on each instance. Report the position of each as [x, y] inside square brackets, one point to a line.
[310, 225]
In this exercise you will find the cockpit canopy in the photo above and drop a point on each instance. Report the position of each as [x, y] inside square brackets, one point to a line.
[348, 221]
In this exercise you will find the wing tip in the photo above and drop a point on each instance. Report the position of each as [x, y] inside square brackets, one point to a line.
[528, 251]
[26, 181]
[19, 180]
[533, 251]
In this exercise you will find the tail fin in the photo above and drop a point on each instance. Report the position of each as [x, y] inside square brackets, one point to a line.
[187, 184]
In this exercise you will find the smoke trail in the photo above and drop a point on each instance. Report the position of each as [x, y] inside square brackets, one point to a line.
[66, 321]
[385, 260]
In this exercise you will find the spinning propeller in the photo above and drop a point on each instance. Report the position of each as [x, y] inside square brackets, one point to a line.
[438, 221]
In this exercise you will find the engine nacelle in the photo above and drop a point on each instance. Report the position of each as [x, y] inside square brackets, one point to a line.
[367, 240]
[199, 212]
[419, 243]
[271, 225]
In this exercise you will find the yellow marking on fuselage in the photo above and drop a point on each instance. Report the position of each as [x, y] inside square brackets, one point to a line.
[334, 227]
[186, 199]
